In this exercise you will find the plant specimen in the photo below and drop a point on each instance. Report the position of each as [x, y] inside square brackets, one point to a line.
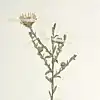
[52, 55]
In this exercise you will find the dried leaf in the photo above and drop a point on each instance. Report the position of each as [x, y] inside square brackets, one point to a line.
[54, 89]
[58, 76]
[55, 76]
[56, 36]
[48, 65]
[54, 49]
[48, 72]
[64, 36]
[49, 79]
[60, 42]
[40, 55]
[74, 56]
[50, 94]
[36, 44]
[57, 51]
[30, 33]
[48, 57]
[57, 61]
[40, 49]
[54, 25]
[67, 63]
[53, 28]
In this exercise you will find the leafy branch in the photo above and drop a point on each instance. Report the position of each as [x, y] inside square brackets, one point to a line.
[34, 34]
[64, 65]
[57, 45]
[40, 46]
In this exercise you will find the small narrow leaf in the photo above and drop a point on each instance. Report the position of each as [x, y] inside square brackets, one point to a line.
[56, 36]
[54, 89]
[54, 49]
[36, 44]
[50, 94]
[31, 35]
[67, 63]
[57, 61]
[40, 49]
[58, 76]
[48, 79]
[54, 25]
[53, 28]
[55, 76]
[29, 32]
[60, 42]
[64, 37]
[48, 72]
[74, 56]
[48, 57]
[49, 67]
[57, 52]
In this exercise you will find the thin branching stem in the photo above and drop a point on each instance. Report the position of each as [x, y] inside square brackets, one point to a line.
[46, 54]
[62, 68]
[40, 41]
[52, 85]
[33, 35]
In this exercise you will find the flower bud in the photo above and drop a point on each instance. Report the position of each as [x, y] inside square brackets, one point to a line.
[63, 64]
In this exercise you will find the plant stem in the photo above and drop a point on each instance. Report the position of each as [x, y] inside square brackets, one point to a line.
[40, 41]
[52, 84]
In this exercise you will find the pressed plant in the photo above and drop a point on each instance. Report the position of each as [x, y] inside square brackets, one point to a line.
[57, 44]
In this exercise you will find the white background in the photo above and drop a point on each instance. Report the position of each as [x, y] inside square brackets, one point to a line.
[21, 69]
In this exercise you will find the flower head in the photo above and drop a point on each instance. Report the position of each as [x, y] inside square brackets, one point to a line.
[63, 64]
[28, 19]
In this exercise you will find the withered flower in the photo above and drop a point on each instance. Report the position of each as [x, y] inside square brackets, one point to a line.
[28, 19]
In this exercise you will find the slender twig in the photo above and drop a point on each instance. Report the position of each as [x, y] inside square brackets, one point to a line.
[33, 35]
[57, 44]
[52, 85]
[62, 68]
[52, 56]
[59, 50]
[40, 42]
[55, 49]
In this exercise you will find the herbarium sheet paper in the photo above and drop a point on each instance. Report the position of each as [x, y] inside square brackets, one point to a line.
[22, 72]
